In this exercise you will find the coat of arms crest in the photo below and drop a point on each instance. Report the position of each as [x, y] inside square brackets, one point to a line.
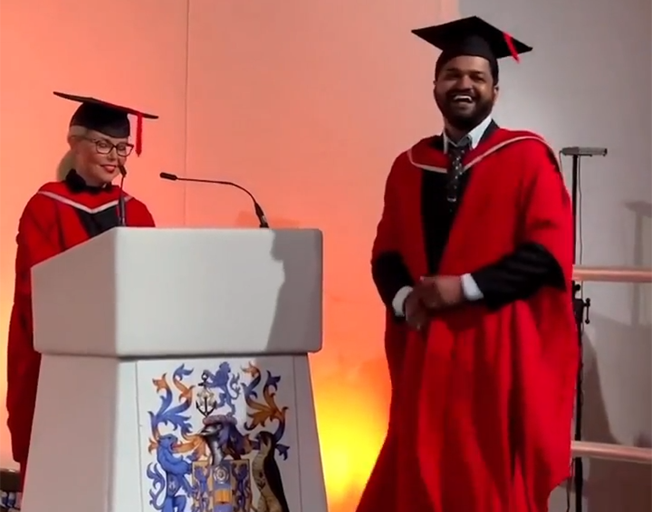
[227, 463]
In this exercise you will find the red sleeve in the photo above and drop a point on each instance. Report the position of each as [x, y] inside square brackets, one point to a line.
[387, 231]
[36, 242]
[544, 225]
[386, 243]
[138, 215]
[548, 218]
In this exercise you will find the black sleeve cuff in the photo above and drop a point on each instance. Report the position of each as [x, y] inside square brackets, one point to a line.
[390, 274]
[519, 276]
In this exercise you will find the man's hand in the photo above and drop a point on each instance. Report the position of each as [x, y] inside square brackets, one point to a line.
[438, 292]
[416, 312]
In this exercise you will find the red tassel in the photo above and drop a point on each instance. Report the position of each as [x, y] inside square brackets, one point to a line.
[139, 133]
[510, 45]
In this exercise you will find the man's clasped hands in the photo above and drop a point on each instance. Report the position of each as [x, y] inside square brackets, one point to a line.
[429, 295]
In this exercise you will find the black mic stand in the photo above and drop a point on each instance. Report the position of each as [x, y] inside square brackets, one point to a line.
[260, 214]
[122, 209]
[581, 309]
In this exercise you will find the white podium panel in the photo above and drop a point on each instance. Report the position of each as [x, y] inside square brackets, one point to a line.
[186, 435]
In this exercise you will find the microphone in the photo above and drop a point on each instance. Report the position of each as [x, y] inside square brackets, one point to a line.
[260, 214]
[122, 211]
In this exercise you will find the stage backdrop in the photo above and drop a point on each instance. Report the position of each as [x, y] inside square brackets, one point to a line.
[305, 102]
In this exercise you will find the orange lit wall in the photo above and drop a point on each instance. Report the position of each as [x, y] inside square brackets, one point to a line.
[305, 102]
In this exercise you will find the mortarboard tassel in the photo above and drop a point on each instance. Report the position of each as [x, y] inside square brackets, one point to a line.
[510, 45]
[139, 133]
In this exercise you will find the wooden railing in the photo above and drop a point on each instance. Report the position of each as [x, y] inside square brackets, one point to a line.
[605, 451]
[630, 275]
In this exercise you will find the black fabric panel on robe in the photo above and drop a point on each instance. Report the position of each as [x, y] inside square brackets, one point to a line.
[390, 274]
[437, 215]
[97, 223]
[94, 223]
[519, 275]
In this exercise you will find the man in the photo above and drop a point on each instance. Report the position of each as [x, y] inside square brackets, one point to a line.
[82, 204]
[473, 259]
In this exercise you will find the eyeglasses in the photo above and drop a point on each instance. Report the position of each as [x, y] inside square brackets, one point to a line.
[104, 147]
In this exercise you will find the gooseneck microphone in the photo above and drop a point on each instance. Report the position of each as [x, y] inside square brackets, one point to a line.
[262, 220]
[122, 210]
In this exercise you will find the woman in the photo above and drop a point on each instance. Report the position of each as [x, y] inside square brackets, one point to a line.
[80, 205]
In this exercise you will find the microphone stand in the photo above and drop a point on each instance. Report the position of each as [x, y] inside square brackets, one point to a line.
[260, 214]
[122, 210]
[581, 310]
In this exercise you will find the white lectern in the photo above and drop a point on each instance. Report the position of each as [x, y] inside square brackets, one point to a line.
[175, 373]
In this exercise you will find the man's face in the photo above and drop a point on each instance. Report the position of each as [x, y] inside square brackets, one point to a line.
[465, 92]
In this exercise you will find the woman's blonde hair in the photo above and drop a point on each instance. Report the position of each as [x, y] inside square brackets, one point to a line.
[68, 162]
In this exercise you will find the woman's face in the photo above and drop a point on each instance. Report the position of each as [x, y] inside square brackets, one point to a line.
[99, 156]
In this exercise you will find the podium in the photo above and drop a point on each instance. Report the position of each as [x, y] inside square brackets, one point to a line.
[175, 373]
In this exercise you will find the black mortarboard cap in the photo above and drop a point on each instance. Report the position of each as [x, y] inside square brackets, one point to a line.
[474, 37]
[107, 118]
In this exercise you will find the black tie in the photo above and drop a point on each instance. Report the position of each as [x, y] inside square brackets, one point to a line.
[456, 169]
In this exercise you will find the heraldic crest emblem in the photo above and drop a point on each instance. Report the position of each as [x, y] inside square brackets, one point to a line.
[227, 460]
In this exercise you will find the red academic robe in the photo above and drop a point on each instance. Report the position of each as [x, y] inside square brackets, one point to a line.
[55, 219]
[482, 403]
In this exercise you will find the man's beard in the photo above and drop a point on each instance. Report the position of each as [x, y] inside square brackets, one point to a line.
[465, 121]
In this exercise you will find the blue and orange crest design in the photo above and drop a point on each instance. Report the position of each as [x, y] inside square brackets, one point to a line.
[227, 461]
